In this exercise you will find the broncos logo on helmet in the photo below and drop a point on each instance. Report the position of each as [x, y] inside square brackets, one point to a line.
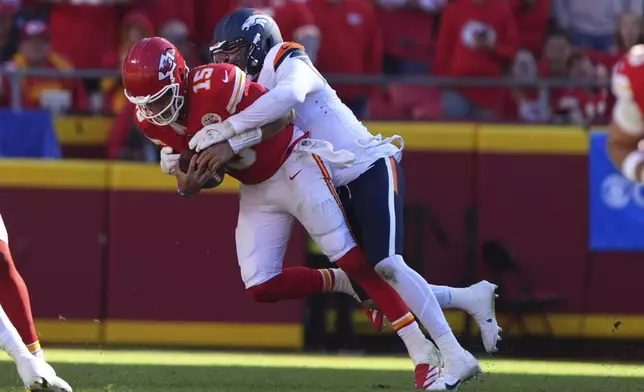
[244, 37]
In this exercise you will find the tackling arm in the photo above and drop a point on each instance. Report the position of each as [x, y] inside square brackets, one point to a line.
[255, 136]
[296, 78]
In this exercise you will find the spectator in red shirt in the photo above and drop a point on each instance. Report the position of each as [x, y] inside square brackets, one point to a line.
[35, 52]
[581, 106]
[87, 34]
[531, 18]
[556, 53]
[477, 38]
[350, 44]
[407, 31]
[524, 104]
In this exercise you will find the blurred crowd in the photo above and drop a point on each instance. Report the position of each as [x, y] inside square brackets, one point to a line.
[525, 39]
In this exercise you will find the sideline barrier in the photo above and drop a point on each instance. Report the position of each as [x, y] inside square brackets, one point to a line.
[150, 284]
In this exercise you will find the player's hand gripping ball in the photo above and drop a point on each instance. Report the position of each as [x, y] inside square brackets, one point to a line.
[184, 161]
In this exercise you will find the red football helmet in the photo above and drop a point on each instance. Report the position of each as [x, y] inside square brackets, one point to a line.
[154, 77]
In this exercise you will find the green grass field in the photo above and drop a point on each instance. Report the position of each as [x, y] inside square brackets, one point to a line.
[138, 371]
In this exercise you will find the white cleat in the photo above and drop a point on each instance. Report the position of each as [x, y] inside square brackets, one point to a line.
[479, 303]
[38, 375]
[456, 372]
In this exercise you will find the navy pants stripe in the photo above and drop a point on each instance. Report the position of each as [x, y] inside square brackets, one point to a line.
[374, 206]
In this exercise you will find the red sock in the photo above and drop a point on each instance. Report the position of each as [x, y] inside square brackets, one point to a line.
[14, 298]
[393, 307]
[294, 283]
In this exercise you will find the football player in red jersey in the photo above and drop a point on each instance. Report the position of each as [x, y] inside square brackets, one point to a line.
[17, 327]
[626, 130]
[283, 178]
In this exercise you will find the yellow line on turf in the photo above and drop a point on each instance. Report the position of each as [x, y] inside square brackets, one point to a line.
[183, 358]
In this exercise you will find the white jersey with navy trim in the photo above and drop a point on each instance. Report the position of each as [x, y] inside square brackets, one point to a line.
[294, 83]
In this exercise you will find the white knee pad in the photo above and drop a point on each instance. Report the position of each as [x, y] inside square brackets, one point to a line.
[336, 243]
[326, 224]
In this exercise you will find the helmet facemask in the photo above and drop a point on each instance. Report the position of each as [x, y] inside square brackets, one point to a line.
[162, 108]
[239, 53]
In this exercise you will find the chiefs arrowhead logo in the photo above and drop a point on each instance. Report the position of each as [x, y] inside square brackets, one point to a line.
[167, 65]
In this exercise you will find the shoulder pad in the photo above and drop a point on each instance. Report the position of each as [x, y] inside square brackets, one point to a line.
[286, 50]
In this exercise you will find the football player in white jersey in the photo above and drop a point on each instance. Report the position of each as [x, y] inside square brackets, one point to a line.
[34, 372]
[371, 190]
[626, 133]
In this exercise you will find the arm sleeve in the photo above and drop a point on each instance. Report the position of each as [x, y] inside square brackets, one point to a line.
[296, 78]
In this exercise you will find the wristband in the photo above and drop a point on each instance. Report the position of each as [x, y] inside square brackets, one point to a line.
[245, 140]
[183, 194]
[630, 165]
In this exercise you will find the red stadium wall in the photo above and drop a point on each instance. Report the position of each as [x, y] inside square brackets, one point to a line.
[112, 255]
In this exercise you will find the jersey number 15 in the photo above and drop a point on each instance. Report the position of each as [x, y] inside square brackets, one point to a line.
[201, 80]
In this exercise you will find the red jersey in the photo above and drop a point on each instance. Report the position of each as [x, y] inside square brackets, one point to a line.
[214, 93]
[582, 104]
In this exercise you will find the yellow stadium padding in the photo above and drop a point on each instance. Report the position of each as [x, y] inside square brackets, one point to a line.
[82, 130]
[289, 335]
[429, 136]
[93, 131]
[526, 139]
[91, 174]
[172, 333]
[564, 325]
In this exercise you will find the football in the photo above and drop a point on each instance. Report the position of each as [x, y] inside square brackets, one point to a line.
[184, 161]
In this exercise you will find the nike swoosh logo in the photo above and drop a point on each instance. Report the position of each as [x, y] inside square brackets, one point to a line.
[294, 175]
[226, 77]
[452, 386]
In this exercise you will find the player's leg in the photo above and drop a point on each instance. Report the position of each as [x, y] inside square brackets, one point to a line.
[35, 373]
[262, 234]
[478, 301]
[14, 296]
[316, 205]
[377, 201]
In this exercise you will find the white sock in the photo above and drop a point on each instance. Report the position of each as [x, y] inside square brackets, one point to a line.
[448, 345]
[417, 344]
[416, 293]
[10, 340]
[443, 295]
[460, 298]
[342, 283]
